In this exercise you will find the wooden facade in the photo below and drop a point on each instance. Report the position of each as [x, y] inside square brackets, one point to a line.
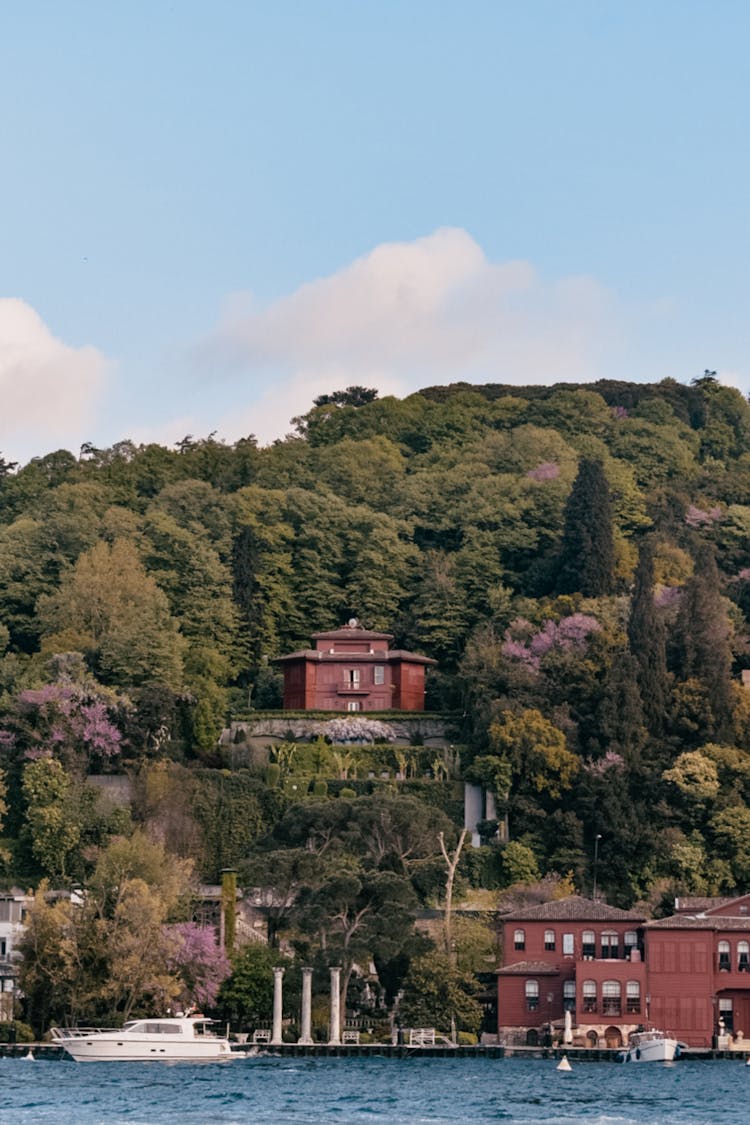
[353, 669]
[688, 974]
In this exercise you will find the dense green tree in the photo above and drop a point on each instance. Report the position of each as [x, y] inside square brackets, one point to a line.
[647, 638]
[587, 556]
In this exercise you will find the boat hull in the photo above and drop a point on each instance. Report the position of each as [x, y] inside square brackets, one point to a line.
[132, 1049]
[655, 1050]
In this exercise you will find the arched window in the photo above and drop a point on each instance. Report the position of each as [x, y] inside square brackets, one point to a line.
[633, 996]
[588, 944]
[610, 945]
[519, 939]
[743, 956]
[532, 995]
[549, 941]
[611, 997]
[589, 995]
[724, 957]
[569, 996]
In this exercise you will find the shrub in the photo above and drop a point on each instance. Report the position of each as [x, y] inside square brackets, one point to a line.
[346, 792]
[15, 1031]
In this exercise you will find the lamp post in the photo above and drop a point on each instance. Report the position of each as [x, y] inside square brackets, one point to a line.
[597, 838]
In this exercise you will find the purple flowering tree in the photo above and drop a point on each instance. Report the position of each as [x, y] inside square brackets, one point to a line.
[198, 962]
[74, 722]
[569, 634]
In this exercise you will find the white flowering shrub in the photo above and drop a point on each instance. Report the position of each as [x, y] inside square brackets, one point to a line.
[354, 729]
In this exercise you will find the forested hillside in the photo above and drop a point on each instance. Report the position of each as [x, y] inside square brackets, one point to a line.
[577, 559]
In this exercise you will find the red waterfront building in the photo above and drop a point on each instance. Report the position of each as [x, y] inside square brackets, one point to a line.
[353, 669]
[614, 971]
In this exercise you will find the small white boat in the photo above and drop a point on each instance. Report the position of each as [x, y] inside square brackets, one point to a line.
[650, 1046]
[173, 1039]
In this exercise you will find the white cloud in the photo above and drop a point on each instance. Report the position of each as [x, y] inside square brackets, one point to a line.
[409, 314]
[48, 389]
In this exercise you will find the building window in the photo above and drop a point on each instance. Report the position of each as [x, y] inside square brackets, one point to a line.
[611, 998]
[726, 1014]
[610, 946]
[633, 996]
[630, 941]
[589, 996]
[378, 674]
[519, 939]
[588, 944]
[568, 945]
[3, 949]
[569, 996]
[549, 941]
[743, 957]
[724, 957]
[352, 677]
[353, 705]
[532, 995]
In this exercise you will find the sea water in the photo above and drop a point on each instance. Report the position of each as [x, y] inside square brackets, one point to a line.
[312, 1091]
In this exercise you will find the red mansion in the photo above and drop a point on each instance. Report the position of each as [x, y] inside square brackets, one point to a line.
[353, 669]
[613, 970]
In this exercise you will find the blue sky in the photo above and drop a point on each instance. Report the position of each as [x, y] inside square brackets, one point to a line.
[213, 212]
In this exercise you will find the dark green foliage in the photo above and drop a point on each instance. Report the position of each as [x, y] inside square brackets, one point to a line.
[587, 558]
[703, 641]
[646, 634]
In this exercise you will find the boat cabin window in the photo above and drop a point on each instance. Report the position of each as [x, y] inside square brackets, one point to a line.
[588, 944]
[549, 941]
[519, 939]
[532, 995]
[743, 956]
[589, 996]
[724, 954]
[633, 996]
[160, 1028]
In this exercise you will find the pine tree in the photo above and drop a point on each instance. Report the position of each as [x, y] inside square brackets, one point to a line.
[587, 555]
[647, 638]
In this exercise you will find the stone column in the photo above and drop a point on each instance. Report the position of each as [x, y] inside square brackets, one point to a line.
[305, 1029]
[278, 977]
[335, 1029]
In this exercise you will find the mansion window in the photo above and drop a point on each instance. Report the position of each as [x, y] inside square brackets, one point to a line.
[352, 678]
[378, 674]
[519, 940]
[610, 946]
[630, 941]
[353, 705]
[724, 957]
[588, 944]
[726, 1014]
[569, 996]
[589, 995]
[568, 945]
[611, 998]
[549, 941]
[532, 995]
[743, 957]
[633, 996]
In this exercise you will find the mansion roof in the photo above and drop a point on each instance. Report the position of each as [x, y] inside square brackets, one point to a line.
[572, 909]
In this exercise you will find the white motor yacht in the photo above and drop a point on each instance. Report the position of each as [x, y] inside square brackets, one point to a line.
[650, 1046]
[173, 1039]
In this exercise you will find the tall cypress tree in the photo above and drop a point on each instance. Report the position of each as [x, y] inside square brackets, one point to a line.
[703, 640]
[587, 554]
[647, 638]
